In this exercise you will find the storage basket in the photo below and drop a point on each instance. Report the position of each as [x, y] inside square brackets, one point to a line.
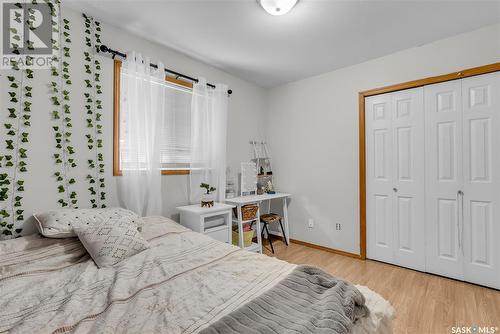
[248, 212]
[247, 237]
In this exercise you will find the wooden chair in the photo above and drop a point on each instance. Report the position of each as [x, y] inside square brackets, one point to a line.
[270, 218]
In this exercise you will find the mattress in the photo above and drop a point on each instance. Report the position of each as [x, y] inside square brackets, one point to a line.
[182, 284]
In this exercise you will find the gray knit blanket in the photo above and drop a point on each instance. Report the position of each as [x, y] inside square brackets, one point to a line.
[308, 300]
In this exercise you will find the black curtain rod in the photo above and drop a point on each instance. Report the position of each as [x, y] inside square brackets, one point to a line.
[104, 48]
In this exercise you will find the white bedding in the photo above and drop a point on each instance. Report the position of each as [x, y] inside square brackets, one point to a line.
[184, 282]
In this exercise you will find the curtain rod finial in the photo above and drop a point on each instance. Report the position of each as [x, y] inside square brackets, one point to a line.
[103, 48]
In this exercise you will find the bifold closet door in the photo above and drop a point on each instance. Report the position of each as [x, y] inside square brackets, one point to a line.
[395, 178]
[379, 179]
[443, 175]
[462, 179]
[408, 178]
[480, 197]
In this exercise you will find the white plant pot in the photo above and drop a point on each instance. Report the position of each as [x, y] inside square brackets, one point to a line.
[208, 200]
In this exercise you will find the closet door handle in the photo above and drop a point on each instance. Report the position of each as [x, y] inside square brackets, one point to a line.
[461, 193]
[459, 237]
[460, 218]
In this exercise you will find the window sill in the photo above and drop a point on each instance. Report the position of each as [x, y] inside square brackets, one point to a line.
[163, 172]
[176, 172]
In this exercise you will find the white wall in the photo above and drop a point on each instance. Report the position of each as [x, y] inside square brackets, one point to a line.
[312, 128]
[246, 108]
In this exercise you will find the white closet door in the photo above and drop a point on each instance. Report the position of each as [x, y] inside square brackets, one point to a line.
[379, 178]
[480, 218]
[443, 178]
[408, 178]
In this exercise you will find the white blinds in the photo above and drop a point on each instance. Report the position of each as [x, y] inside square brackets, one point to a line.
[176, 134]
[175, 146]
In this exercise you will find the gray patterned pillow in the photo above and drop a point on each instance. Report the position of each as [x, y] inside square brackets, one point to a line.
[112, 240]
[60, 223]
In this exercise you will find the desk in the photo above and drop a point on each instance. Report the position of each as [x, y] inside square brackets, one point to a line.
[258, 199]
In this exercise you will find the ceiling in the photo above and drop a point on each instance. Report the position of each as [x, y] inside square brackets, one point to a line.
[240, 38]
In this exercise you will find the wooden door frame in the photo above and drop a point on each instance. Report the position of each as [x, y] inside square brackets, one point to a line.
[362, 137]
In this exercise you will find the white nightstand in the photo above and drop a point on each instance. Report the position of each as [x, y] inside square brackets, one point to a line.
[215, 221]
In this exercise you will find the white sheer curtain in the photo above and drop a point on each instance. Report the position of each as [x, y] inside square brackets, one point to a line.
[208, 139]
[142, 105]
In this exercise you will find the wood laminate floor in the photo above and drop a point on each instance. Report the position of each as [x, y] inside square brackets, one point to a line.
[424, 303]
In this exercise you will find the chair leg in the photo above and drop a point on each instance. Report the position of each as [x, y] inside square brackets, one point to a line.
[263, 231]
[283, 231]
[269, 238]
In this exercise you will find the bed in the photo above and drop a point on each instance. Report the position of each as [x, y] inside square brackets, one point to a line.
[183, 283]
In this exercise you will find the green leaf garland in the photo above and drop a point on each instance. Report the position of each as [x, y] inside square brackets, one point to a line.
[93, 108]
[61, 111]
[13, 163]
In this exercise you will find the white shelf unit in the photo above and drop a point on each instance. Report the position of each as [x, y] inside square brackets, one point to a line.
[198, 219]
[255, 247]
[235, 220]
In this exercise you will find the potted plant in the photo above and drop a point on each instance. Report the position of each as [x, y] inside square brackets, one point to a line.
[208, 198]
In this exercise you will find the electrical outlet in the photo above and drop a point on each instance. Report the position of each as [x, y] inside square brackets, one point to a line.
[338, 227]
[310, 223]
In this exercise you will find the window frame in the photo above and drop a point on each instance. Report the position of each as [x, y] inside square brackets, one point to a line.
[116, 120]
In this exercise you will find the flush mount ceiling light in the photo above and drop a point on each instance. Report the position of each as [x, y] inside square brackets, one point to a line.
[277, 7]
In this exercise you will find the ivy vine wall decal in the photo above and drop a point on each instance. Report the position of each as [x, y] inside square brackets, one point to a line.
[93, 107]
[61, 111]
[13, 162]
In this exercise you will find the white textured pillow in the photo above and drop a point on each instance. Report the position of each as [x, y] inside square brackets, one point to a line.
[60, 223]
[110, 241]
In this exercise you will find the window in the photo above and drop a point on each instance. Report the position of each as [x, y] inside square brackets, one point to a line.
[176, 135]
[175, 145]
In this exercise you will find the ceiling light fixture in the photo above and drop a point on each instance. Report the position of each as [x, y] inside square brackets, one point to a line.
[277, 7]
